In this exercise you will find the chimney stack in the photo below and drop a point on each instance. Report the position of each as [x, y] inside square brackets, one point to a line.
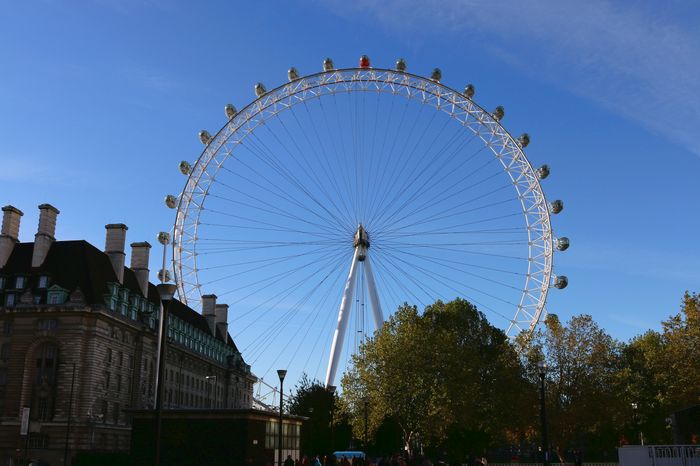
[222, 319]
[114, 247]
[9, 235]
[44, 236]
[139, 264]
[209, 311]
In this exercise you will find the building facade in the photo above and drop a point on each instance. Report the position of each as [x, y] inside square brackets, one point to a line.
[78, 344]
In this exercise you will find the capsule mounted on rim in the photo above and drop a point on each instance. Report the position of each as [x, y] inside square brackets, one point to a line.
[543, 172]
[204, 137]
[469, 91]
[561, 282]
[562, 244]
[436, 75]
[400, 65]
[260, 89]
[524, 140]
[292, 74]
[185, 167]
[171, 201]
[230, 111]
[328, 65]
[364, 61]
[499, 113]
[556, 206]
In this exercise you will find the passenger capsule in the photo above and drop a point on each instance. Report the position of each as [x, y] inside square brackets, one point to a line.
[205, 137]
[436, 75]
[469, 91]
[185, 167]
[543, 172]
[560, 282]
[524, 140]
[562, 244]
[364, 61]
[260, 89]
[171, 201]
[328, 65]
[164, 275]
[164, 238]
[292, 74]
[556, 206]
[401, 65]
[499, 113]
[230, 111]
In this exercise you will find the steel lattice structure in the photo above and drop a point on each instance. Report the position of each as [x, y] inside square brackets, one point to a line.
[482, 124]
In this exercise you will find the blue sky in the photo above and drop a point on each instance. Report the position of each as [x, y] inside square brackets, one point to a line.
[100, 101]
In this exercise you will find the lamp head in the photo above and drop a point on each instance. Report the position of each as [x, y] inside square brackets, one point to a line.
[542, 366]
[166, 291]
[281, 373]
[331, 388]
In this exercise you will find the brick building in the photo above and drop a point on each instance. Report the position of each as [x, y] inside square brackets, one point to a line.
[78, 341]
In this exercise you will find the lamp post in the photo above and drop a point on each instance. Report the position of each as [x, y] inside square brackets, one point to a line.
[281, 373]
[331, 389]
[210, 378]
[166, 292]
[542, 366]
[637, 421]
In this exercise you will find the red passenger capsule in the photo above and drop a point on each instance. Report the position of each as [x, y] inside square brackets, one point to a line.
[364, 61]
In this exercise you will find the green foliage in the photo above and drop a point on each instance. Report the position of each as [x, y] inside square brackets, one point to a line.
[439, 374]
[582, 363]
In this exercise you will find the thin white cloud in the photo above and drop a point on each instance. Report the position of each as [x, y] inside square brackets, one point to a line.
[30, 171]
[619, 55]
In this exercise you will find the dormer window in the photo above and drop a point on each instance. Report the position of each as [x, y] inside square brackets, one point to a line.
[10, 300]
[2, 283]
[19, 283]
[43, 281]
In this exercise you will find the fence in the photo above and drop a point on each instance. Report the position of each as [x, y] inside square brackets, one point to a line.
[659, 455]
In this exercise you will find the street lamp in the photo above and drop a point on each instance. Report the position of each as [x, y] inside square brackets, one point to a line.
[542, 366]
[331, 389]
[166, 291]
[281, 373]
[208, 378]
[637, 420]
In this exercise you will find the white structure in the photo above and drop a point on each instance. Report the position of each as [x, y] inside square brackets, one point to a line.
[659, 455]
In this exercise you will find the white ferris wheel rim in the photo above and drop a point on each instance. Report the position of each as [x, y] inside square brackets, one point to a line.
[429, 92]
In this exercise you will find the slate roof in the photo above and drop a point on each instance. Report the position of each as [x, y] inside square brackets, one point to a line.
[73, 264]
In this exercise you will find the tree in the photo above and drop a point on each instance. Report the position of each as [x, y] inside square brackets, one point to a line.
[582, 401]
[438, 375]
[311, 399]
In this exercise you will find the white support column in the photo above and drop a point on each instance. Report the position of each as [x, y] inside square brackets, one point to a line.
[373, 297]
[343, 313]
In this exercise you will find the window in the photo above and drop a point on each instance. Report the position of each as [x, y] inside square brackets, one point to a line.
[55, 298]
[5, 352]
[43, 281]
[10, 300]
[109, 355]
[2, 283]
[121, 359]
[3, 385]
[19, 283]
[107, 376]
[47, 325]
[117, 411]
[37, 299]
[7, 328]
[44, 382]
[38, 441]
[119, 383]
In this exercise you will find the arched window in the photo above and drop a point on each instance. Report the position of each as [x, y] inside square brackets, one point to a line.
[44, 391]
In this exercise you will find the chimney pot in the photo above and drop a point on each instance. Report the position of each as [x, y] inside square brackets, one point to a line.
[114, 247]
[44, 237]
[221, 319]
[140, 253]
[9, 234]
[209, 311]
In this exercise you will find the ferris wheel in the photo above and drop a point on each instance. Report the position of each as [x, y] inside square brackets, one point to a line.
[327, 202]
